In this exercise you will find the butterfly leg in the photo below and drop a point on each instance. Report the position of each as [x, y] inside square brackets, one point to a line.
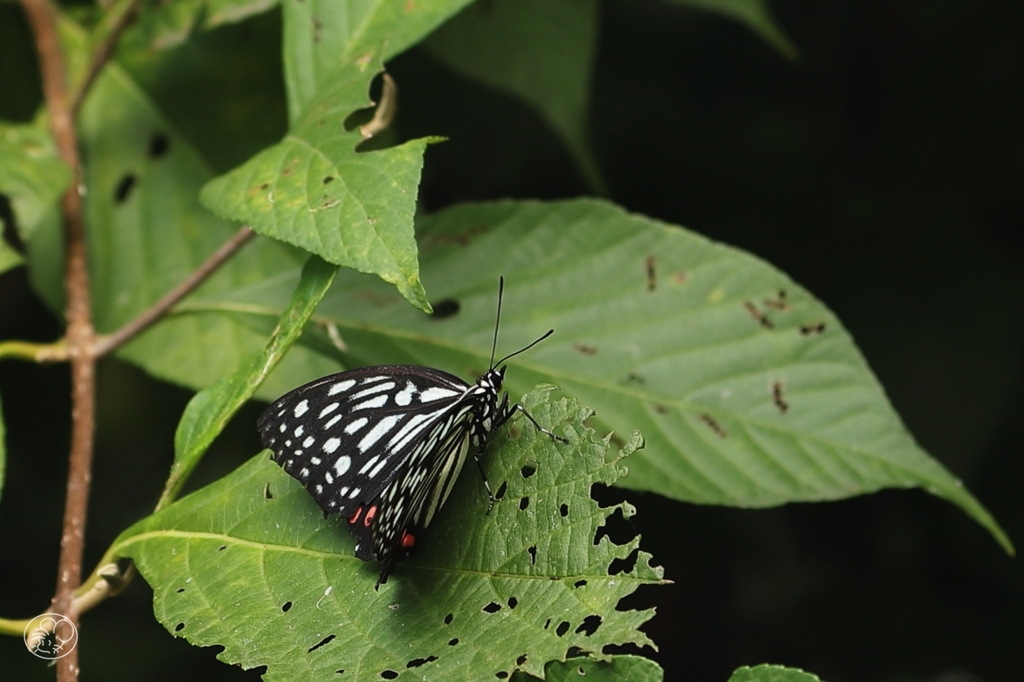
[487, 485]
[529, 416]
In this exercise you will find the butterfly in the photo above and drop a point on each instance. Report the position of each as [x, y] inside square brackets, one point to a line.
[384, 445]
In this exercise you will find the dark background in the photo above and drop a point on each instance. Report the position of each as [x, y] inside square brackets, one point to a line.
[884, 171]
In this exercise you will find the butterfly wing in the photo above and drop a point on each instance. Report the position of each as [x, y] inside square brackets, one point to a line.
[345, 436]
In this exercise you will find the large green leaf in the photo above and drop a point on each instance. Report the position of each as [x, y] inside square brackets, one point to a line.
[748, 389]
[539, 50]
[31, 174]
[315, 191]
[320, 35]
[618, 669]
[249, 563]
[147, 232]
[757, 16]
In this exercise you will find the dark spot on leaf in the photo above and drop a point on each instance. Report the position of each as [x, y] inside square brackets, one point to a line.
[623, 565]
[575, 651]
[319, 644]
[158, 145]
[815, 328]
[501, 490]
[532, 549]
[579, 583]
[616, 528]
[589, 625]
[584, 349]
[180, 590]
[659, 408]
[652, 277]
[524, 503]
[340, 671]
[267, 495]
[453, 642]
[528, 470]
[448, 619]
[328, 179]
[388, 674]
[449, 307]
[564, 509]
[501, 674]
[417, 662]
[285, 606]
[758, 315]
[521, 660]
[318, 30]
[714, 425]
[179, 627]
[562, 628]
[124, 188]
[513, 602]
[265, 185]
[493, 607]
[222, 548]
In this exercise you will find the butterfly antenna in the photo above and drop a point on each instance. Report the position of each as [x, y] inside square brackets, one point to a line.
[497, 320]
[523, 350]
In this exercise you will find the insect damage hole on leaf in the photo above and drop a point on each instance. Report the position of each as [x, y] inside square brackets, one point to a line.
[286, 606]
[524, 503]
[626, 565]
[417, 662]
[528, 470]
[617, 528]
[589, 625]
[159, 144]
[321, 643]
[124, 188]
[562, 628]
[493, 607]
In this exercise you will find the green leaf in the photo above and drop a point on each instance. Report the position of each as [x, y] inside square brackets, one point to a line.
[757, 16]
[250, 564]
[320, 35]
[31, 174]
[147, 231]
[210, 410]
[541, 51]
[618, 669]
[772, 673]
[315, 191]
[748, 389]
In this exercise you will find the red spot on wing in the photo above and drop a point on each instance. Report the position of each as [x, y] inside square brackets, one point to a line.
[370, 513]
[355, 517]
[408, 540]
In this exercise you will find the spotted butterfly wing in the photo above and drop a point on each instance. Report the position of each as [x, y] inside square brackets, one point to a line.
[383, 446]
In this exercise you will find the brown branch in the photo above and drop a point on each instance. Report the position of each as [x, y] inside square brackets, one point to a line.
[107, 343]
[42, 18]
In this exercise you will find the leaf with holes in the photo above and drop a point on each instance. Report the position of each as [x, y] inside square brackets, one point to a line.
[315, 191]
[618, 669]
[249, 563]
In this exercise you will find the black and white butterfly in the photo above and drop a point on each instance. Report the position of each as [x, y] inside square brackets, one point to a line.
[383, 446]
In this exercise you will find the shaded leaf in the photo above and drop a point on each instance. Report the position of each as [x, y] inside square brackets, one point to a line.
[757, 16]
[162, 25]
[9, 258]
[541, 51]
[31, 174]
[250, 563]
[315, 191]
[772, 673]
